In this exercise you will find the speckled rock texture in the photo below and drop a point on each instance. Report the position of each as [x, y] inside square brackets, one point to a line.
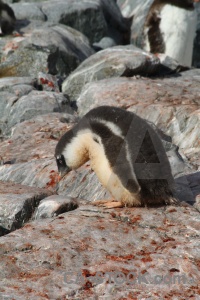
[118, 61]
[17, 204]
[54, 244]
[55, 48]
[90, 253]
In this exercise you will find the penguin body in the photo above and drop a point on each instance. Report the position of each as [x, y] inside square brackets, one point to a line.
[170, 28]
[126, 154]
[7, 18]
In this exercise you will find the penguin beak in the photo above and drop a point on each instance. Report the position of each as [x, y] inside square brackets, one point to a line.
[63, 169]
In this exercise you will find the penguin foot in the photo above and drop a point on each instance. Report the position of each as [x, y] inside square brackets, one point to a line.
[108, 203]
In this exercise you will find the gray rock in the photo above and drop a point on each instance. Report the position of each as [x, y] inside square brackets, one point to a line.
[118, 26]
[43, 173]
[95, 18]
[40, 173]
[171, 64]
[44, 258]
[28, 156]
[8, 1]
[12, 83]
[6, 100]
[178, 162]
[104, 43]
[24, 1]
[78, 184]
[11, 89]
[129, 7]
[58, 49]
[188, 188]
[54, 205]
[113, 62]
[28, 11]
[33, 104]
[17, 204]
[44, 131]
[86, 17]
[20, 101]
[197, 204]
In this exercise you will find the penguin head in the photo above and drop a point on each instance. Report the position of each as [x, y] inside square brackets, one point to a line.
[72, 151]
[63, 168]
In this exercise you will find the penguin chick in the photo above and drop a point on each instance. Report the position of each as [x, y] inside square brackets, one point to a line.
[7, 18]
[126, 154]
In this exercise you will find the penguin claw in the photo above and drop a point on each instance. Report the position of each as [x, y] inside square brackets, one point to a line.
[173, 201]
[113, 204]
[99, 202]
[108, 203]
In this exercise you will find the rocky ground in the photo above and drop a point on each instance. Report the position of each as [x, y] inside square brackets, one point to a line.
[54, 244]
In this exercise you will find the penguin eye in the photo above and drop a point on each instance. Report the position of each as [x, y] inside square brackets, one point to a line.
[96, 140]
[60, 159]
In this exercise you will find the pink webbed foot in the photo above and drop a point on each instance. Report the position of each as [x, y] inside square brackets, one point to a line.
[108, 203]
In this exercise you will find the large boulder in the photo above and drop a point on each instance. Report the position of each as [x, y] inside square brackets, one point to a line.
[94, 18]
[57, 49]
[17, 204]
[20, 101]
[118, 61]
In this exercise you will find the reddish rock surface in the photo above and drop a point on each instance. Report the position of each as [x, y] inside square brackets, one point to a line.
[54, 244]
[34, 139]
[150, 243]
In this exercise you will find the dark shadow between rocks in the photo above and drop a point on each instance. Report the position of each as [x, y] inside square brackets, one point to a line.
[3, 231]
[20, 24]
[188, 187]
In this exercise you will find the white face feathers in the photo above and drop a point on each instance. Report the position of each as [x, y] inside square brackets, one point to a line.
[80, 148]
[76, 152]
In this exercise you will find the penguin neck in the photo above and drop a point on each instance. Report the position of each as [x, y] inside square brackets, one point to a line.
[83, 147]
